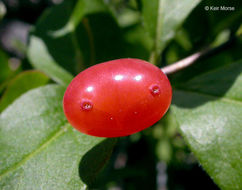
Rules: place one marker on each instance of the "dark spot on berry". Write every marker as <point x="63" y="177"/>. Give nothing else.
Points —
<point x="86" y="105"/>
<point x="155" y="89"/>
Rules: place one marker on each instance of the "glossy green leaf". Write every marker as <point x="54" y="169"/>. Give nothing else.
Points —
<point x="20" y="84"/>
<point x="162" y="18"/>
<point x="40" y="150"/>
<point x="208" y="109"/>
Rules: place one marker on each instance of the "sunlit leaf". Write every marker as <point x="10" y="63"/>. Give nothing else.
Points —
<point x="39" y="149"/>
<point x="208" y="109"/>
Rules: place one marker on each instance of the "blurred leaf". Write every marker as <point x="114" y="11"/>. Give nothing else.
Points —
<point x="5" y="70"/>
<point x="204" y="26"/>
<point x="221" y="20"/>
<point x="162" y="18"/>
<point x="100" y="39"/>
<point x="208" y="109"/>
<point x="38" y="148"/>
<point x="183" y="40"/>
<point x="239" y="31"/>
<point x="2" y="10"/>
<point x="20" y="84"/>
<point x="165" y="132"/>
<point x="62" y="42"/>
<point x="48" y="53"/>
<point x="128" y="18"/>
<point x="42" y="60"/>
<point x="14" y="36"/>
<point x="230" y="54"/>
<point x="8" y="69"/>
<point x="221" y="38"/>
<point x="138" y="42"/>
<point x="97" y="38"/>
<point x="81" y="9"/>
<point x="164" y="150"/>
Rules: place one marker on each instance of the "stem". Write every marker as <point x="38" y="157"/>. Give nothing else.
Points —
<point x="179" y="65"/>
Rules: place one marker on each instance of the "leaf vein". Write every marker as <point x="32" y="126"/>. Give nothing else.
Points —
<point x="53" y="137"/>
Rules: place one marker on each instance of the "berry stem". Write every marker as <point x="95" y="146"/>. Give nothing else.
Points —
<point x="182" y="64"/>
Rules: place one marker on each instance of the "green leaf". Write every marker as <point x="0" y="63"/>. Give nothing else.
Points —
<point x="215" y="22"/>
<point x="5" y="69"/>
<point x="41" y="59"/>
<point x="54" y="42"/>
<point x="39" y="149"/>
<point x="137" y="42"/>
<point x="226" y="57"/>
<point x="208" y="109"/>
<point x="100" y="39"/>
<point x="162" y="18"/>
<point x="20" y="84"/>
<point x="81" y="9"/>
<point x="220" y="20"/>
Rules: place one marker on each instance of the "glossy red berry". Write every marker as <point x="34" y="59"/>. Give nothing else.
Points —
<point x="117" y="98"/>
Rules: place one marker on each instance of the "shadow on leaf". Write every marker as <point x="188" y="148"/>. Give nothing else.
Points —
<point x="95" y="159"/>
<point x="210" y="86"/>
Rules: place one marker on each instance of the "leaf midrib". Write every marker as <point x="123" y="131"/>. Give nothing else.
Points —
<point x="44" y="145"/>
<point x="211" y="96"/>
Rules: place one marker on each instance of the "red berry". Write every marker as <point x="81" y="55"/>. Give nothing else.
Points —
<point x="117" y="98"/>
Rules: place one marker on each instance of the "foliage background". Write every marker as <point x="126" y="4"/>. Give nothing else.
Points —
<point x="44" y="43"/>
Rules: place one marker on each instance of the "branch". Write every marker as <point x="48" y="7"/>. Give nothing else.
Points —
<point x="179" y="65"/>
